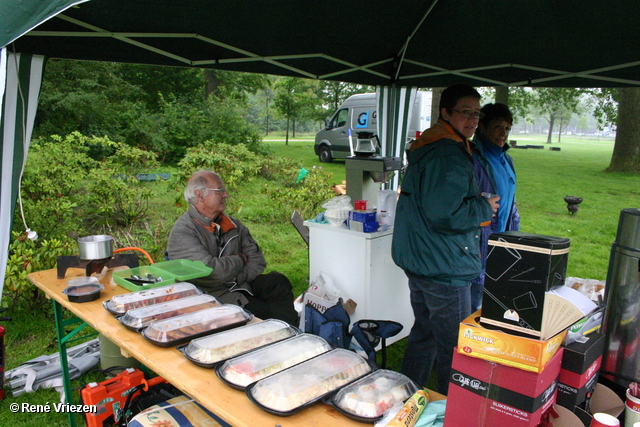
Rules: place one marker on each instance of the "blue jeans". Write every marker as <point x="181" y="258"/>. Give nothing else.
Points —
<point x="477" y="290"/>
<point x="438" y="311"/>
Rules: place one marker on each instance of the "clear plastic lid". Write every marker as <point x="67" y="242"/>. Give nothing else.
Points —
<point x="372" y="395"/>
<point x="119" y="304"/>
<point x="306" y="382"/>
<point x="257" y="364"/>
<point x="223" y="345"/>
<point x="137" y="318"/>
<point x="194" y="324"/>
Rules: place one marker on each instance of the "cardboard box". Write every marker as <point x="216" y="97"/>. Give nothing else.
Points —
<point x="497" y="346"/>
<point x="363" y="216"/>
<point x="579" y="374"/>
<point x="365" y="227"/>
<point x="603" y="400"/>
<point x="521" y="268"/>
<point x="571" y="397"/>
<point x="581" y="360"/>
<point x="483" y="393"/>
<point x="586" y="325"/>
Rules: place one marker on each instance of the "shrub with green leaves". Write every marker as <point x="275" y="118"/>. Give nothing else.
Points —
<point x="234" y="163"/>
<point x="306" y="196"/>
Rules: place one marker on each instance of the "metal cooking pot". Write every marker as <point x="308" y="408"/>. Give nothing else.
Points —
<point x="96" y="247"/>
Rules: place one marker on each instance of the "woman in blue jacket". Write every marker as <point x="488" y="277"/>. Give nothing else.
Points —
<point x="495" y="174"/>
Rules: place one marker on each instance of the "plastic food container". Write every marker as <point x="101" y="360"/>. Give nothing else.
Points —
<point x="120" y="304"/>
<point x="137" y="318"/>
<point x="83" y="289"/>
<point x="125" y="278"/>
<point x="180" y="329"/>
<point x="242" y="370"/>
<point x="178" y="270"/>
<point x="208" y="351"/>
<point x="184" y="269"/>
<point x="368" y="398"/>
<point x="293" y="389"/>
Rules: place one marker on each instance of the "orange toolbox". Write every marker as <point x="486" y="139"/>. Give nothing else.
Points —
<point x="110" y="395"/>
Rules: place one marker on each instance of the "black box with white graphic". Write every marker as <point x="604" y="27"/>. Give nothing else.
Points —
<point x="521" y="269"/>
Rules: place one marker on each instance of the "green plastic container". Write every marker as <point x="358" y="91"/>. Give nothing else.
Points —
<point x="184" y="269"/>
<point x="178" y="270"/>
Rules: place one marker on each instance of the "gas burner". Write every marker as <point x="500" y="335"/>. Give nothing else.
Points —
<point x="95" y="265"/>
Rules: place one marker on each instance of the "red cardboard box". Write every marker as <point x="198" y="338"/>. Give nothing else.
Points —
<point x="483" y="393"/>
<point x="579" y="373"/>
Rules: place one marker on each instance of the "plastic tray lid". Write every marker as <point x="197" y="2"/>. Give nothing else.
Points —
<point x="368" y="398"/>
<point x="137" y="318"/>
<point x="262" y="362"/>
<point x="184" y="269"/>
<point x="119" y="304"/>
<point x="193" y="324"/>
<point x="290" y="390"/>
<point x="223" y="345"/>
<point x="120" y="277"/>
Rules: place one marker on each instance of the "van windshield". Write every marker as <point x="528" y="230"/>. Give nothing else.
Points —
<point x="340" y="118"/>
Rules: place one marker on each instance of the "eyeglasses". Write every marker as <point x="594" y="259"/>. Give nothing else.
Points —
<point x="218" y="190"/>
<point x="470" y="113"/>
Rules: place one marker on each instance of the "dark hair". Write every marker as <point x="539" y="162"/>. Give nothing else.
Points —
<point x="451" y="95"/>
<point x="496" y="112"/>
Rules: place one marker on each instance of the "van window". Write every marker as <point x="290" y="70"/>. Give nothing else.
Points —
<point x="340" y="118"/>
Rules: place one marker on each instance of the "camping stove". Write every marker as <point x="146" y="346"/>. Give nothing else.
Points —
<point x="95" y="265"/>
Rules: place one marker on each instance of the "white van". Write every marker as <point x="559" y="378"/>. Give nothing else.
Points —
<point x="359" y="113"/>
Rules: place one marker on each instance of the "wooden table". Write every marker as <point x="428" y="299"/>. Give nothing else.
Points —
<point x="200" y="384"/>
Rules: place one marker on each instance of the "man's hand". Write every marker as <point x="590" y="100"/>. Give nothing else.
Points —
<point x="243" y="256"/>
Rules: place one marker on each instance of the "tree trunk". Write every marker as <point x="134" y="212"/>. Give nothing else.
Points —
<point x="502" y="95"/>
<point x="212" y="82"/>
<point x="552" y="119"/>
<point x="560" y="129"/>
<point x="286" y="138"/>
<point x="436" y="92"/>
<point x="626" y="150"/>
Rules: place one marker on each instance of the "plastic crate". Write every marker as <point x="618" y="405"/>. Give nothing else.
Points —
<point x="178" y="270"/>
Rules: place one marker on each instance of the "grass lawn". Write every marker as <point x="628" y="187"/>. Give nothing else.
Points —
<point x="545" y="177"/>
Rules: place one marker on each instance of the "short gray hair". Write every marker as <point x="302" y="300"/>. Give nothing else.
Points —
<point x="197" y="182"/>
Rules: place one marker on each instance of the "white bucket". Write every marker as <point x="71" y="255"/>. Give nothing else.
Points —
<point x="631" y="410"/>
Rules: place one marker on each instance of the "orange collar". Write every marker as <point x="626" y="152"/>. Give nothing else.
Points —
<point x="222" y="222"/>
<point x="441" y="130"/>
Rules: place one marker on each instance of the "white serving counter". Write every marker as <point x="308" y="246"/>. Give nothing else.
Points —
<point x="361" y="267"/>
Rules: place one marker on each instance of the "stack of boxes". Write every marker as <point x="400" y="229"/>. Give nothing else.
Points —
<point x="510" y="363"/>
<point x="363" y="219"/>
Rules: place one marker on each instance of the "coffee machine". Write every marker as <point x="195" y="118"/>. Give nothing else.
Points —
<point x="365" y="174"/>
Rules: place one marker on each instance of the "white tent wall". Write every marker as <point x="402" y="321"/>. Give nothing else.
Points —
<point x="395" y="107"/>
<point x="20" y="81"/>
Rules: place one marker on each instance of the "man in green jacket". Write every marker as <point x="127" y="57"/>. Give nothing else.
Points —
<point x="436" y="234"/>
<point x="207" y="234"/>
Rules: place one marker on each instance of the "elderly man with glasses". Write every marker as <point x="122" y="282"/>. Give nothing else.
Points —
<point x="436" y="234"/>
<point x="207" y="234"/>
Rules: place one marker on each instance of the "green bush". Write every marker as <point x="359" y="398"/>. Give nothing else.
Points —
<point x="234" y="163"/>
<point x="306" y="196"/>
<point x="27" y="256"/>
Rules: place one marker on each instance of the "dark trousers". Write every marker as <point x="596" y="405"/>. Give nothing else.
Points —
<point x="438" y="311"/>
<point x="272" y="298"/>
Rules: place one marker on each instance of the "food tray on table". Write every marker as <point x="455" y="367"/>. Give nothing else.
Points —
<point x="240" y="371"/>
<point x="120" y="304"/>
<point x="169" y="272"/>
<point x="301" y="385"/>
<point x="180" y="329"/>
<point x="138" y="318"/>
<point x="210" y="350"/>
<point x="367" y="399"/>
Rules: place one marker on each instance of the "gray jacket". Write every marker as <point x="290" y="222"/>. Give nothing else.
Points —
<point x="217" y="245"/>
